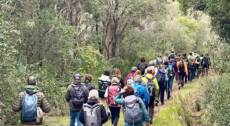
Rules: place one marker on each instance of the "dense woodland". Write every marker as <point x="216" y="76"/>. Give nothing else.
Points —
<point x="52" y="39"/>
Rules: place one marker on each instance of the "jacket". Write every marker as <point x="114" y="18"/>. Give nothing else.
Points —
<point x="42" y="102"/>
<point x="155" y="82"/>
<point x="104" y="115"/>
<point x="68" y="96"/>
<point x="141" y="91"/>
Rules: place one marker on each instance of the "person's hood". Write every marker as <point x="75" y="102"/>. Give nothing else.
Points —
<point x="149" y="76"/>
<point x="31" y="89"/>
<point x="104" y="78"/>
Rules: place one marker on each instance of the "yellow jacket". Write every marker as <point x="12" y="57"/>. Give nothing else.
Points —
<point x="145" y="81"/>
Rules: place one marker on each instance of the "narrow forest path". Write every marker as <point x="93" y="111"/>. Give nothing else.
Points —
<point x="188" y="88"/>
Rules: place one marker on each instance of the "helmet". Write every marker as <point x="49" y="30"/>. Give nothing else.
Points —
<point x="32" y="80"/>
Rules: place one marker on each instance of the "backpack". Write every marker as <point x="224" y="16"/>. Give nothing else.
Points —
<point x="133" y="111"/>
<point x="151" y="88"/>
<point x="161" y="76"/>
<point x="29" y="108"/>
<point x="92" y="115"/>
<point x="170" y="70"/>
<point x="77" y="95"/>
<point x="113" y="91"/>
<point x="89" y="86"/>
<point x="103" y="85"/>
<point x="142" y="67"/>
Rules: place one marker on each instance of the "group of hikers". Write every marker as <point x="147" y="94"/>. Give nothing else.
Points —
<point x="136" y="94"/>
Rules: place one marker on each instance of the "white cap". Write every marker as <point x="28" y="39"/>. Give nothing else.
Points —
<point x="93" y="94"/>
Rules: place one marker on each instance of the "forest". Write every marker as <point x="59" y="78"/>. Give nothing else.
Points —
<point x="52" y="39"/>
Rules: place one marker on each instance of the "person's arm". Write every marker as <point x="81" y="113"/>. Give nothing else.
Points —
<point x="45" y="106"/>
<point x="144" y="110"/>
<point x="104" y="115"/>
<point x="67" y="95"/>
<point x="156" y="87"/>
<point x="119" y="99"/>
<point x="17" y="104"/>
<point x="81" y="117"/>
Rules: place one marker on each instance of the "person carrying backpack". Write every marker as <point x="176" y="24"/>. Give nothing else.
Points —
<point x="131" y="74"/>
<point x="206" y="62"/>
<point x="182" y="74"/>
<point x="153" y="90"/>
<point x="153" y="67"/>
<point x="76" y="96"/>
<point x="171" y="74"/>
<point x="135" y="112"/>
<point x="103" y="82"/>
<point x="142" y="66"/>
<point x="88" y="82"/>
<point x="93" y="113"/>
<point x="162" y="79"/>
<point x="111" y="92"/>
<point x="141" y="90"/>
<point x="32" y="103"/>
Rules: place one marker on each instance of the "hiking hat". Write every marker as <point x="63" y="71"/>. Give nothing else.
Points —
<point x="93" y="94"/>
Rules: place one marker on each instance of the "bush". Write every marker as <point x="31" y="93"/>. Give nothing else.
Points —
<point x="217" y="100"/>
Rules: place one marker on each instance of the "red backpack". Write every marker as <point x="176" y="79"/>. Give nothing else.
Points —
<point x="113" y="91"/>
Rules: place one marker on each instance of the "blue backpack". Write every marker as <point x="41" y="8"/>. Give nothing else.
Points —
<point x="29" y="108"/>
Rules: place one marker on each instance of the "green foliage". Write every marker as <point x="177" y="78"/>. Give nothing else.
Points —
<point x="217" y="100"/>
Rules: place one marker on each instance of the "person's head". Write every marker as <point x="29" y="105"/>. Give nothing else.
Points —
<point x="117" y="73"/>
<point x="77" y="78"/>
<point x="32" y="80"/>
<point x="152" y="63"/>
<point x="93" y="95"/>
<point x="115" y="81"/>
<point x="161" y="66"/>
<point x="128" y="90"/>
<point x="149" y="76"/>
<point x="172" y="51"/>
<point x="142" y="59"/>
<point x="190" y="53"/>
<point x="106" y="73"/>
<point x="138" y="72"/>
<point x="138" y="78"/>
<point x="206" y="54"/>
<point x="134" y="69"/>
<point x="149" y="70"/>
<point x="88" y="78"/>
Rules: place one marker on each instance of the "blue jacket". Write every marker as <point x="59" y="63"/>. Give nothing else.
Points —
<point x="141" y="91"/>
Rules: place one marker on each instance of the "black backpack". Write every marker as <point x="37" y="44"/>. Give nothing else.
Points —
<point x="77" y="95"/>
<point x="161" y="76"/>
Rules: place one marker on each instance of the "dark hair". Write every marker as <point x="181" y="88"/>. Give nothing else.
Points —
<point x="88" y="77"/>
<point x="107" y="73"/>
<point x="142" y="59"/>
<point x="128" y="91"/>
<point x="31" y="80"/>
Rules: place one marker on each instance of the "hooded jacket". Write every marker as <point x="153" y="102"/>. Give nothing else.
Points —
<point x="42" y="102"/>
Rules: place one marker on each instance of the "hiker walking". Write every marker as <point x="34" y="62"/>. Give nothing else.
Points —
<point x="206" y="62"/>
<point x="117" y="74"/>
<point x="111" y="92"/>
<point x="32" y="103"/>
<point x="142" y="65"/>
<point x="130" y="75"/>
<point x="103" y="83"/>
<point x="76" y="96"/>
<point x="135" y="112"/>
<point x="93" y="112"/>
<point x="153" y="90"/>
<point x="141" y="89"/>
<point x="162" y="79"/>
<point x="171" y="74"/>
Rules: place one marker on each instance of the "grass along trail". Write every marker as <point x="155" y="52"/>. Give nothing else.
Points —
<point x="164" y="115"/>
